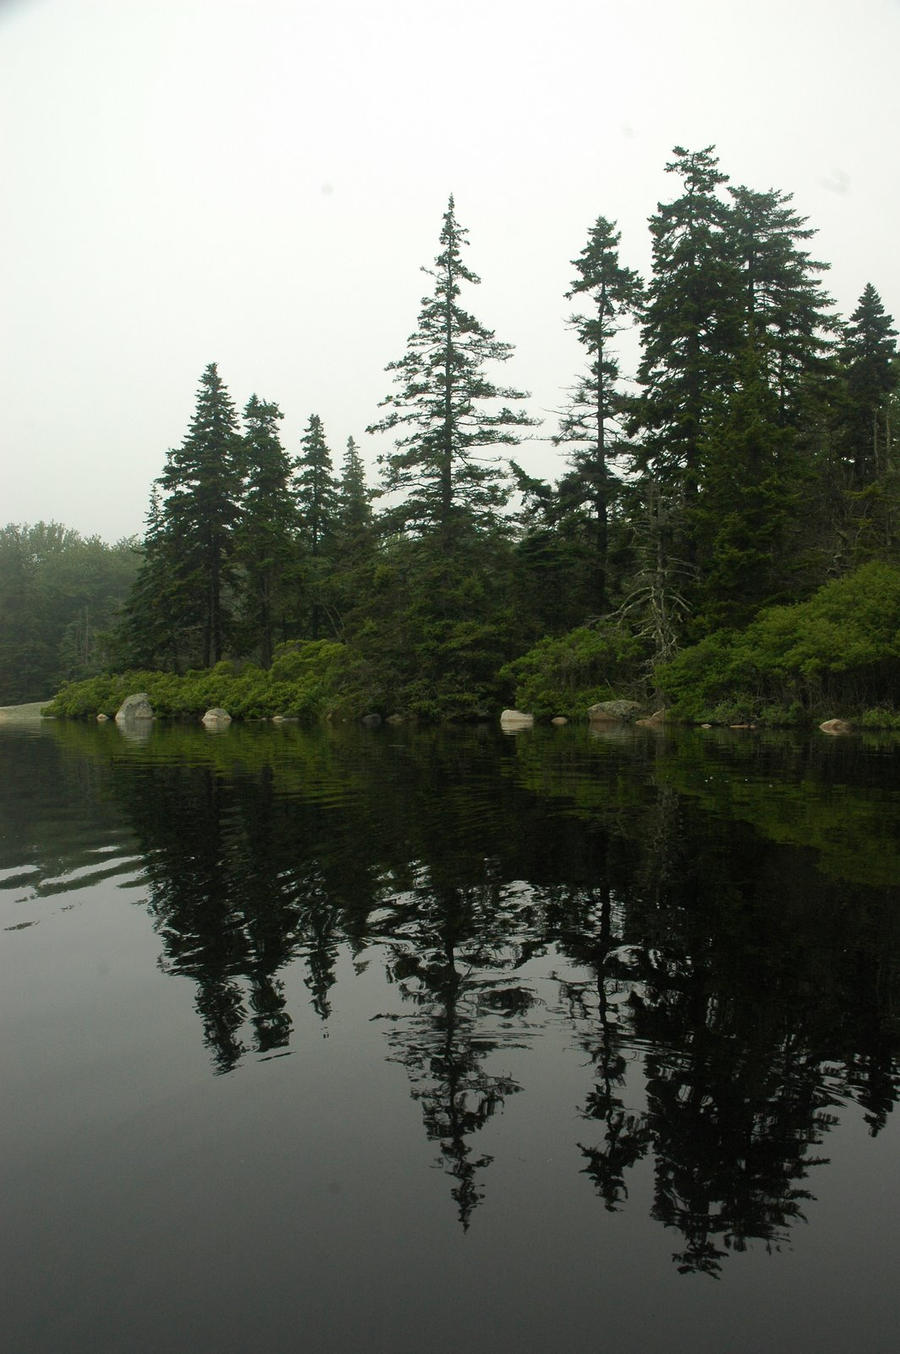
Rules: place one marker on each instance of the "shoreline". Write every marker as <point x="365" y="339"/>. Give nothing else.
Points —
<point x="23" y="714"/>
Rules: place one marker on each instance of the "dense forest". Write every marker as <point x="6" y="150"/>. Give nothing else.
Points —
<point x="724" y="536"/>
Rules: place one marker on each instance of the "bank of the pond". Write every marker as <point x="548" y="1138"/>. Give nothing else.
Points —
<point x="23" y="714"/>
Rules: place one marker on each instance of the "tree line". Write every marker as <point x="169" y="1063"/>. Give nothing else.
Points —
<point x="746" y="462"/>
<point x="61" y="596"/>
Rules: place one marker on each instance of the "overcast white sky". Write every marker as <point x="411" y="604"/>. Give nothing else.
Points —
<point x="257" y="183"/>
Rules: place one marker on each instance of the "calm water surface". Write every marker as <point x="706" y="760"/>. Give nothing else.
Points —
<point x="427" y="1041"/>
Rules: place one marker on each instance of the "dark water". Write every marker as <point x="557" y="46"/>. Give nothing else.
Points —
<point x="428" y="1041"/>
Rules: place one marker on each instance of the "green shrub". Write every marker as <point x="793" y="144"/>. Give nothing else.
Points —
<point x="565" y="674"/>
<point x="839" y="649"/>
<point x="304" y="681"/>
<point x="880" y="717"/>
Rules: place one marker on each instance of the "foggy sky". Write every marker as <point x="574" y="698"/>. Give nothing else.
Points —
<point x="258" y="183"/>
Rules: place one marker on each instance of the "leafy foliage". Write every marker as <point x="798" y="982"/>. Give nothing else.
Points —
<point x="837" y="652"/>
<point x="60" y="595"/>
<point x="567" y="674"/>
<point x="304" y="681"/>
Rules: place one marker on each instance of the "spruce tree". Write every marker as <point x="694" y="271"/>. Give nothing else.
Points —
<point x="316" y="488"/>
<point x="869" y="361"/>
<point x="755" y="455"/>
<point x="354" y="501"/>
<point x="354" y="544"/>
<point x="690" y="324"/>
<point x="592" y="420"/>
<point x="153" y="629"/>
<point x="316" y="492"/>
<point x="201" y="488"/>
<point x="784" y="312"/>
<point x="447" y="410"/>
<point x="267" y="538"/>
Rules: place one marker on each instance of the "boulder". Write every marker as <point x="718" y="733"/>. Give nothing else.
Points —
<point x="516" y="719"/>
<point x="102" y="718"/>
<point x="559" y="719"/>
<point x="134" y="707"/>
<point x="216" y="718"/>
<point x="654" y="721"/>
<point x="607" y="712"/>
<point x="835" y="726"/>
<point x="395" y="719"/>
<point x="371" y="721"/>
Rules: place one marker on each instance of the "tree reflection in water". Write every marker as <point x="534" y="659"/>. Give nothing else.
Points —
<point x="739" y="989"/>
<point x="451" y="952"/>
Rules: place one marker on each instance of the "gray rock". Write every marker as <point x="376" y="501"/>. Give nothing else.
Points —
<point x="835" y="726"/>
<point x="216" y="718"/>
<point x="559" y="719"/>
<point x="608" y="711"/>
<point x="516" y="719"/>
<point x="134" y="707"/>
<point x="371" y="721"/>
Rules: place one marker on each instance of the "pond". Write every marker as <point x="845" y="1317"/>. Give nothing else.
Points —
<point x="403" y="1040"/>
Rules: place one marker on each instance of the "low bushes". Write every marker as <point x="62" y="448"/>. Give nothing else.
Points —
<point x="307" y="680"/>
<point x="566" y="674"/>
<point x="837" y="653"/>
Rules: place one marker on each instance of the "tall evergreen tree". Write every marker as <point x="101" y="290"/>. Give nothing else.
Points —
<point x="267" y="537"/>
<point x="354" y="543"/>
<point x="446" y="407"/>
<point x="783" y="308"/>
<point x="316" y="488"/>
<point x="757" y="455"/>
<point x="871" y="374"/>
<point x="354" y="502"/>
<point x="690" y="323"/>
<point x="152" y="632"/>
<point x="316" y="492"/>
<point x="591" y="421"/>
<point x="201" y="487"/>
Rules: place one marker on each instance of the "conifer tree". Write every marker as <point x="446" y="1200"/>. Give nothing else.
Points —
<point x="316" y="488"/>
<point x="201" y="488"/>
<point x="152" y="630"/>
<point x="354" y="503"/>
<point x="267" y="538"/>
<point x="755" y="457"/>
<point x="784" y="312"/>
<point x="592" y="419"/>
<point x="316" y="493"/>
<point x="447" y="410"/>
<point x="690" y="323"/>
<point x="869" y="360"/>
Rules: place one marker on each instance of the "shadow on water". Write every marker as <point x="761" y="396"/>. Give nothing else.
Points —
<point x="719" y="912"/>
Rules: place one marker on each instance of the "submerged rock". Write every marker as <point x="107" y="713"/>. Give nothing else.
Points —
<point x="654" y="721"/>
<point x="608" y="711"/>
<point x="836" y="726"/>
